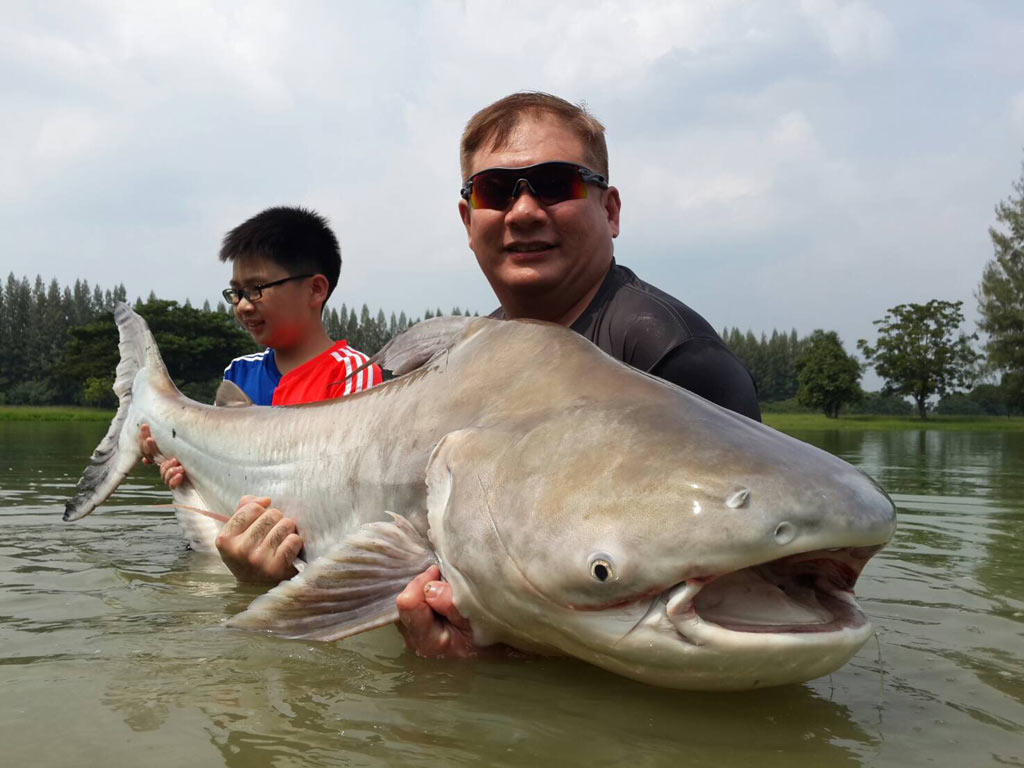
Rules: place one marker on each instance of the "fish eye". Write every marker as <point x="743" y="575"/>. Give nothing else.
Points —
<point x="601" y="568"/>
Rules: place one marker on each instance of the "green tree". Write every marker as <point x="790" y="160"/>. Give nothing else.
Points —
<point x="18" y="356"/>
<point x="1001" y="296"/>
<point x="828" y="377"/>
<point x="5" y="336"/>
<point x="771" y="361"/>
<point x="195" y="345"/>
<point x="917" y="353"/>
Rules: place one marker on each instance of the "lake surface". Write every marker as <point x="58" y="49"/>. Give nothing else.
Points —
<point x="111" y="648"/>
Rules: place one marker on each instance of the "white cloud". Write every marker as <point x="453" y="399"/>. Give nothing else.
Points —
<point x="1017" y="109"/>
<point x="794" y="134"/>
<point x="67" y="135"/>
<point x="854" y="32"/>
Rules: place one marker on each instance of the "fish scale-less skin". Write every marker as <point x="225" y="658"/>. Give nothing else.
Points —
<point x="525" y="455"/>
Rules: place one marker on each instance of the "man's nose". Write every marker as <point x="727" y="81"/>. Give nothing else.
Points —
<point x="526" y="209"/>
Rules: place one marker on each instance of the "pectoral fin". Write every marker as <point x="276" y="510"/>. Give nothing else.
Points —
<point x="349" y="590"/>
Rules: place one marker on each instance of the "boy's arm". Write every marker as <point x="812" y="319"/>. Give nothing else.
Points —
<point x="259" y="544"/>
<point x="171" y="471"/>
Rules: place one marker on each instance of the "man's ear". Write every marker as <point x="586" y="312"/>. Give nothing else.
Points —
<point x="464" y="212"/>
<point x="612" y="206"/>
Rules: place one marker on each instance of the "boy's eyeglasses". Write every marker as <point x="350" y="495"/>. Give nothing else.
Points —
<point x="255" y="293"/>
<point x="549" y="183"/>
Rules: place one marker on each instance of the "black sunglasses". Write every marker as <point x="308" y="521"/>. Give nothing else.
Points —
<point x="255" y="293"/>
<point x="549" y="183"/>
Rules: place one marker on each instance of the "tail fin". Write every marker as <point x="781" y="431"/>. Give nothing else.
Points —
<point x="119" y="450"/>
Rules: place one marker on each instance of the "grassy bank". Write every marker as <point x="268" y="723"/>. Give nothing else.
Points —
<point x="787" y="422"/>
<point x="53" y="413"/>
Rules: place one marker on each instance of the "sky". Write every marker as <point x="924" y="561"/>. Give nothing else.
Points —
<point x="781" y="164"/>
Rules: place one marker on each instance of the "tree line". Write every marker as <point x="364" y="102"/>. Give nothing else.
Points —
<point x="919" y="354"/>
<point x="58" y="346"/>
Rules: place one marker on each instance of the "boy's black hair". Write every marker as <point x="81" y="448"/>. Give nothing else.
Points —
<point x="296" y="239"/>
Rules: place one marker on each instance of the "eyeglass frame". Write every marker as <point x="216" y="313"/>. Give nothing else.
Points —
<point x="235" y="295"/>
<point x="588" y="176"/>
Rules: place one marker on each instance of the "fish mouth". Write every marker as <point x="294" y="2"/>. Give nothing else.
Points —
<point x="805" y="594"/>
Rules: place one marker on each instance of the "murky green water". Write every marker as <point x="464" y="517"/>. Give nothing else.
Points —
<point x="112" y="652"/>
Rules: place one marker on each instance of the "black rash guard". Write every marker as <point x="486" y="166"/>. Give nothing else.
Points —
<point x="635" y="322"/>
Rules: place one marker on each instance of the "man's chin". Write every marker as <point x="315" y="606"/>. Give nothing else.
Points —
<point x="533" y="277"/>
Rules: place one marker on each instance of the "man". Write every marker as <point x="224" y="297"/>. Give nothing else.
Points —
<point x="285" y="265"/>
<point x="541" y="219"/>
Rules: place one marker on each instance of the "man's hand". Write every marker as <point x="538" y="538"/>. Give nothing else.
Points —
<point x="171" y="471"/>
<point x="429" y="621"/>
<point x="258" y="544"/>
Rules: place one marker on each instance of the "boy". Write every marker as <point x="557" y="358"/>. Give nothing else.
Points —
<point x="285" y="265"/>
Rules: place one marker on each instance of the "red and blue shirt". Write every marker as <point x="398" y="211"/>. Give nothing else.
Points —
<point x="322" y="378"/>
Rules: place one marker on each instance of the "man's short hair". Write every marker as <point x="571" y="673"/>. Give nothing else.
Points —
<point x="296" y="239"/>
<point x="494" y="124"/>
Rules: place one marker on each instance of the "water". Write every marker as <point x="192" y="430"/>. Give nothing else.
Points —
<point x="111" y="648"/>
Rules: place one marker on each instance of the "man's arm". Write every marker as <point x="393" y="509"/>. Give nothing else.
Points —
<point x="707" y="368"/>
<point x="428" y="620"/>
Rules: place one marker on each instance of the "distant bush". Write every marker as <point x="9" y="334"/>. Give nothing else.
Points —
<point x="787" y="406"/>
<point x="983" y="400"/>
<point x="877" y="404"/>
<point x="958" y="404"/>
<point x="29" y="393"/>
<point x="98" y="392"/>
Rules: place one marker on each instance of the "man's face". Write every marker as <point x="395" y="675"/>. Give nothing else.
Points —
<point x="532" y="250"/>
<point x="281" y="315"/>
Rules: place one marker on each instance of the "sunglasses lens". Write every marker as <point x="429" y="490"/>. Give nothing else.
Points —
<point x="493" y="189"/>
<point x="550" y="182"/>
<point x="555" y="183"/>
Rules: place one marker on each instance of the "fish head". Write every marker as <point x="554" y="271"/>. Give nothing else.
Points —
<point x="684" y="546"/>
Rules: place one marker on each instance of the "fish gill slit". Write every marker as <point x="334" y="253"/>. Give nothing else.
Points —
<point x="501" y="541"/>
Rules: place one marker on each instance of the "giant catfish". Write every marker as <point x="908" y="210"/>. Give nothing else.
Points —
<point x="576" y="505"/>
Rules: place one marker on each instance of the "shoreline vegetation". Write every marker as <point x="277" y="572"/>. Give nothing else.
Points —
<point x="59" y="347"/>
<point x="784" y="422"/>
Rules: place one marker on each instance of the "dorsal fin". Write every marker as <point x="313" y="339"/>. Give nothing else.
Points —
<point x="420" y="344"/>
<point x="230" y="395"/>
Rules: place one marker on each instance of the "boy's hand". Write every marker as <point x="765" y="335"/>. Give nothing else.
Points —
<point x="258" y="544"/>
<point x="171" y="471"/>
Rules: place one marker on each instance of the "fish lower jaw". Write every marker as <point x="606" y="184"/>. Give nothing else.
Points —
<point x="804" y="599"/>
<point x="847" y="628"/>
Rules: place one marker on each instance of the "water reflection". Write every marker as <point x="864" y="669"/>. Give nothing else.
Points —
<point x="372" y="704"/>
<point x="954" y="572"/>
